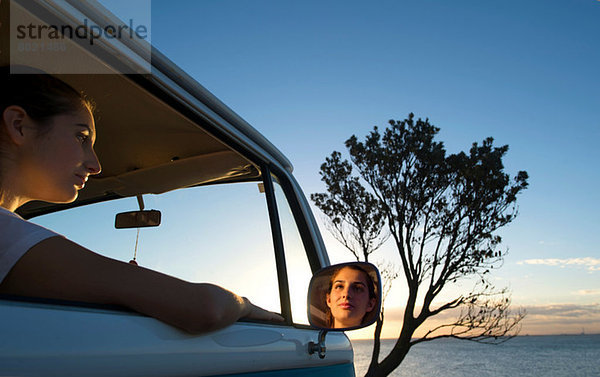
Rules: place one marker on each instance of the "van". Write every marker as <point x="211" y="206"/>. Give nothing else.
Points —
<point x="197" y="193"/>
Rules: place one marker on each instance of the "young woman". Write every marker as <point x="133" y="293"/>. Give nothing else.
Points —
<point x="47" y="136"/>
<point x="351" y="296"/>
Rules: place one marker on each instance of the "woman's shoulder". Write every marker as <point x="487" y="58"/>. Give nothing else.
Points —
<point x="16" y="231"/>
<point x="17" y="236"/>
<point x="7" y="216"/>
<point x="10" y="221"/>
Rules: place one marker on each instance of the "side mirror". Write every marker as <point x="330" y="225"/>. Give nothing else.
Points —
<point x="344" y="296"/>
<point x="137" y="219"/>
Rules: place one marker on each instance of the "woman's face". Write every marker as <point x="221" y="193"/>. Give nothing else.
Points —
<point x="56" y="163"/>
<point x="349" y="299"/>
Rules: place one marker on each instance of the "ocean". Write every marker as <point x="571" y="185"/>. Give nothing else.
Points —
<point x="548" y="356"/>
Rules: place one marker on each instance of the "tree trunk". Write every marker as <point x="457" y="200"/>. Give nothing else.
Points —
<point x="390" y="363"/>
<point x="394" y="359"/>
<point x="376" y="342"/>
<point x="402" y="346"/>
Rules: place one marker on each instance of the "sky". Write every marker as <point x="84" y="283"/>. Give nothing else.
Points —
<point x="310" y="74"/>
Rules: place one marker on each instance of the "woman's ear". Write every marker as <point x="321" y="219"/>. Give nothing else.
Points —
<point x="13" y="120"/>
<point x="328" y="300"/>
<point x="371" y="305"/>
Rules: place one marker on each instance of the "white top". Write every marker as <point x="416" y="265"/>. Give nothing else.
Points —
<point x="17" y="236"/>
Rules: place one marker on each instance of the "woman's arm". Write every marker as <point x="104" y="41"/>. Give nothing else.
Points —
<point x="61" y="269"/>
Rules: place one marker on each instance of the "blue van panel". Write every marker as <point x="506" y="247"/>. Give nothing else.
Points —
<point x="341" y="370"/>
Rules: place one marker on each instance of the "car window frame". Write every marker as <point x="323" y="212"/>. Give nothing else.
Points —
<point x="267" y="166"/>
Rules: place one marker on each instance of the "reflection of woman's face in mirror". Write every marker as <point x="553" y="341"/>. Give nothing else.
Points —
<point x="351" y="297"/>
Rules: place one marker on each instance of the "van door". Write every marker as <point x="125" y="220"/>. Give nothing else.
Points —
<point x="243" y="236"/>
<point x="58" y="339"/>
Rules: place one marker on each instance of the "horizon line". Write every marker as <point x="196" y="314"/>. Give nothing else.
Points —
<point x="516" y="336"/>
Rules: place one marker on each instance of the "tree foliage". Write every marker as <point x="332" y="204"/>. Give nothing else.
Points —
<point x="355" y="219"/>
<point x="442" y="213"/>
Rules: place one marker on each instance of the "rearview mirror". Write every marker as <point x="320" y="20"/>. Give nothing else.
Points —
<point x="137" y="219"/>
<point x="344" y="296"/>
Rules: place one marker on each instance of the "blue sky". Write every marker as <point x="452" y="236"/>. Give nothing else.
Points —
<point x="310" y="74"/>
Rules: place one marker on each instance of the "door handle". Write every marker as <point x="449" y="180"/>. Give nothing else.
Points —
<point x="320" y="347"/>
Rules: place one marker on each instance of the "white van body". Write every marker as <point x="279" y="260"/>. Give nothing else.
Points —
<point x="55" y="340"/>
<point x="161" y="134"/>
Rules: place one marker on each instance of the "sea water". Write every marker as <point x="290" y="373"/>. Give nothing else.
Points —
<point x="548" y="356"/>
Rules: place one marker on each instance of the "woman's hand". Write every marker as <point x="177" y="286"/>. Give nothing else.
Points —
<point x="252" y="311"/>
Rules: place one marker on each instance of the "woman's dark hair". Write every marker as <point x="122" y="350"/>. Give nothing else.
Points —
<point x="370" y="288"/>
<point x="41" y="95"/>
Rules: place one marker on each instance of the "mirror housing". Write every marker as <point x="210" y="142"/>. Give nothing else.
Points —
<point x="137" y="219"/>
<point x="344" y="297"/>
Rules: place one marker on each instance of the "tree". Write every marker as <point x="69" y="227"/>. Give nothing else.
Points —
<point x="442" y="213"/>
<point x="355" y="221"/>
